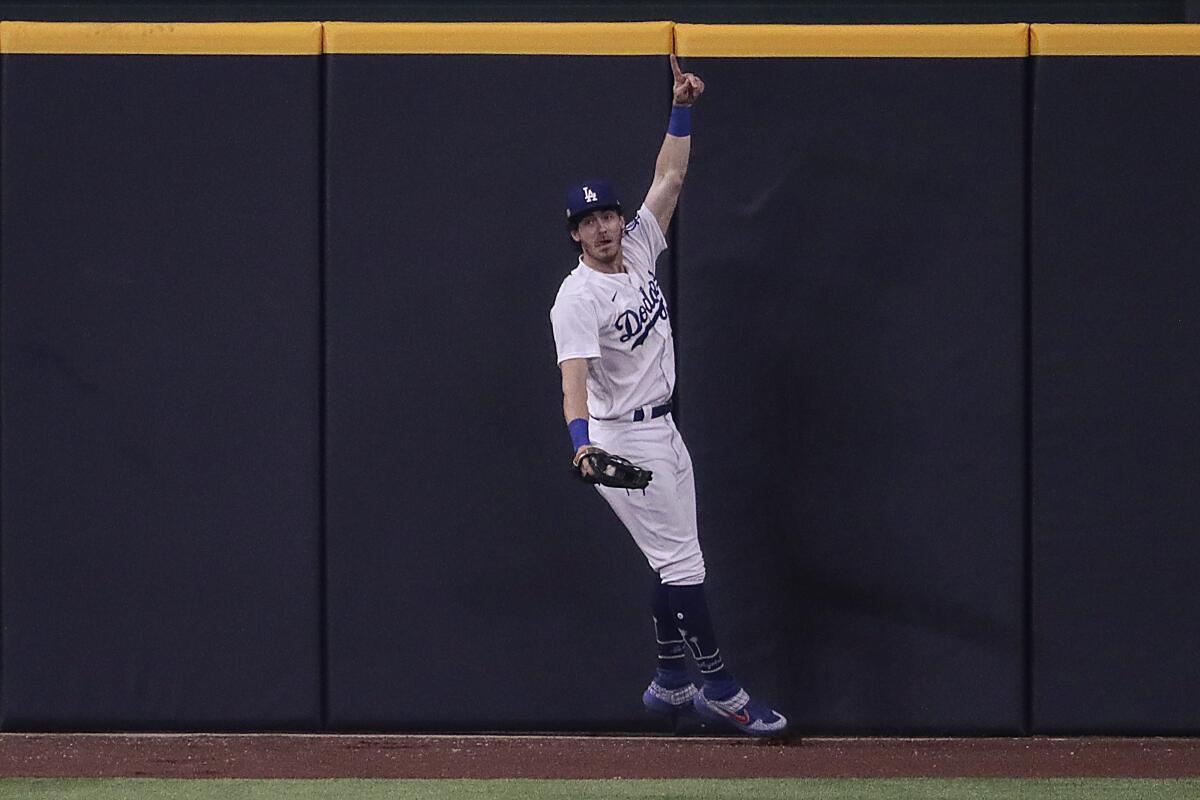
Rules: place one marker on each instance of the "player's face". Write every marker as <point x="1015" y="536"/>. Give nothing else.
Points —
<point x="599" y="234"/>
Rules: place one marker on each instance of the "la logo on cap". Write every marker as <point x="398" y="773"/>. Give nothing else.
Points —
<point x="588" y="195"/>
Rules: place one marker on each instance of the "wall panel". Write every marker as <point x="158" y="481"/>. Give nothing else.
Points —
<point x="1116" y="349"/>
<point x="472" y="582"/>
<point x="851" y="360"/>
<point x="160" y="371"/>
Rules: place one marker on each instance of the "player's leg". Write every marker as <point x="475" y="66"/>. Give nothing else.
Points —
<point x="659" y="526"/>
<point x="671" y="691"/>
<point x="684" y="582"/>
<point x="653" y="519"/>
<point x="662" y="521"/>
<point x="722" y="696"/>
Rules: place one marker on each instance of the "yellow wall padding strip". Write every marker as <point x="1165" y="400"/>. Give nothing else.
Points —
<point x="501" y="38"/>
<point x="165" y="38"/>
<point x="1114" y="40"/>
<point x="1009" y="40"/>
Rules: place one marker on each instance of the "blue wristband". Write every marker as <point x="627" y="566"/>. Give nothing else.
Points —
<point x="681" y="121"/>
<point x="579" y="433"/>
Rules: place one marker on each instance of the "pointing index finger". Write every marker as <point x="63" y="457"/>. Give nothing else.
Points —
<point x="675" y="68"/>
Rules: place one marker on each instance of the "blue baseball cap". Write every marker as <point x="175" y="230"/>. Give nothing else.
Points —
<point x="590" y="196"/>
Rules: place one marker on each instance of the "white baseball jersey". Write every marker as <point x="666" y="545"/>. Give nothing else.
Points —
<point x="619" y="323"/>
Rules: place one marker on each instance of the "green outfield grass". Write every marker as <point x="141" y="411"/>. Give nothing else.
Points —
<point x="764" y="789"/>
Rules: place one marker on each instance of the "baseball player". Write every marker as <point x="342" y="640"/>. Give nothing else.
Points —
<point x="617" y="358"/>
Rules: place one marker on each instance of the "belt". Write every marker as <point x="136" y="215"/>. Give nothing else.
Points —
<point x="655" y="413"/>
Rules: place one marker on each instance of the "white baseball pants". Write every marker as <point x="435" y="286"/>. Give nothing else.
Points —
<point x="662" y="520"/>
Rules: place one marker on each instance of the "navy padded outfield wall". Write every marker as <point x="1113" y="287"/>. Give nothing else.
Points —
<point x="160" y="373"/>
<point x="851" y="360"/>
<point x="851" y="286"/>
<point x="472" y="582"/>
<point x="1116" y="371"/>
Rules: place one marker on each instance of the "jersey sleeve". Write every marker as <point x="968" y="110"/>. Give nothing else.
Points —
<point x="642" y="233"/>
<point x="576" y="328"/>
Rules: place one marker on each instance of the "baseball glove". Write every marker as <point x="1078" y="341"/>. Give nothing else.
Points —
<point x="610" y="470"/>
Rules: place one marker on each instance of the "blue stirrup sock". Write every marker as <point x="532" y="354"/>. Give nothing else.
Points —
<point x="672" y="654"/>
<point x="689" y="610"/>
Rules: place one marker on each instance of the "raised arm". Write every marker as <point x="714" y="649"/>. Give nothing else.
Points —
<point x="672" y="161"/>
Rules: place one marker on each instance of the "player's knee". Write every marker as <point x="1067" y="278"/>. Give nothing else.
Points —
<point x="686" y="572"/>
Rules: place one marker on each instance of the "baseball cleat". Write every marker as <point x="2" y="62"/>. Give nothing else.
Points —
<point x="749" y="717"/>
<point x="661" y="700"/>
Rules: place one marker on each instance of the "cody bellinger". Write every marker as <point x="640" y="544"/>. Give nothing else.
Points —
<point x="617" y="357"/>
